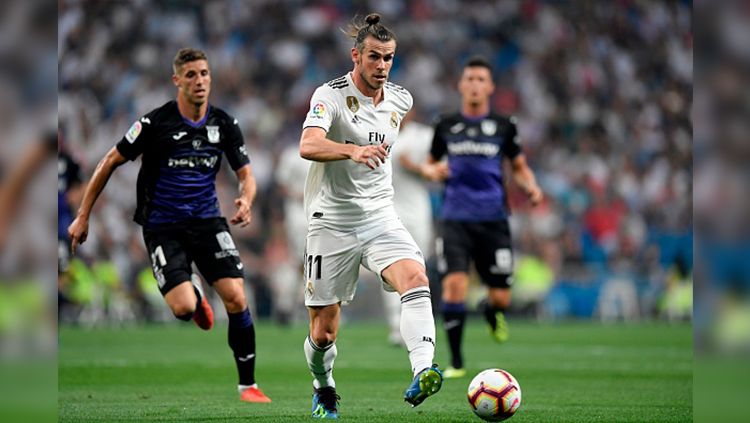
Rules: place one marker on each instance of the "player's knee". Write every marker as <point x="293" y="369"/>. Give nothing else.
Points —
<point x="183" y="311"/>
<point x="500" y="298"/>
<point x="454" y="290"/>
<point x="455" y="279"/>
<point x="453" y="296"/>
<point x="235" y="302"/>
<point x="323" y="339"/>
<point x="501" y="303"/>
<point x="416" y="279"/>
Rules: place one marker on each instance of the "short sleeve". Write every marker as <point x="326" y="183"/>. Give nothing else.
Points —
<point x="438" y="148"/>
<point x="322" y="109"/>
<point x="511" y="144"/>
<point x="234" y="145"/>
<point x="133" y="143"/>
<point x="409" y="103"/>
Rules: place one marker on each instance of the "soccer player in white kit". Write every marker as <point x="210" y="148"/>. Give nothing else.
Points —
<point x="352" y="123"/>
<point x="290" y="172"/>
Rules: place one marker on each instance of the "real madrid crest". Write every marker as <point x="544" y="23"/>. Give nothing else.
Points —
<point x="309" y="288"/>
<point x="352" y="103"/>
<point x="489" y="127"/>
<point x="213" y="133"/>
<point x="394" y="120"/>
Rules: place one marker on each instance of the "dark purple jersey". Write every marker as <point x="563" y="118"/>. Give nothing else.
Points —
<point x="475" y="148"/>
<point x="177" y="180"/>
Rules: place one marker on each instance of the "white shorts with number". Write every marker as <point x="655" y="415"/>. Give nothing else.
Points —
<point x="333" y="258"/>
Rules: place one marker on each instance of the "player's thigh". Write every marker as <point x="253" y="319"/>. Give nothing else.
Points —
<point x="181" y="298"/>
<point x="455" y="287"/>
<point x="395" y="247"/>
<point x="331" y="266"/>
<point x="493" y="253"/>
<point x="214" y="250"/>
<point x="394" y="243"/>
<point x="455" y="247"/>
<point x="169" y="259"/>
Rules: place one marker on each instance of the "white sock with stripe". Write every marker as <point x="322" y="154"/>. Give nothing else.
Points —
<point x="320" y="362"/>
<point x="418" y="327"/>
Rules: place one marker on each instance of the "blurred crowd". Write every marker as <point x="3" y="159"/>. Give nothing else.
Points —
<point x="602" y="91"/>
<point x="721" y="204"/>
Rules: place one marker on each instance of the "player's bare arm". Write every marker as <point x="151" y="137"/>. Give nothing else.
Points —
<point x="78" y="230"/>
<point x="244" y="202"/>
<point x="433" y="170"/>
<point x="524" y="178"/>
<point x="315" y="146"/>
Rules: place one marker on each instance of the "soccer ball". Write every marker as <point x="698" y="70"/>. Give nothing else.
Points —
<point x="494" y="395"/>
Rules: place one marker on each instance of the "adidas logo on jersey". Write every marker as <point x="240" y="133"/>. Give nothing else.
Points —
<point x="457" y="128"/>
<point x="338" y="83"/>
<point x="356" y="120"/>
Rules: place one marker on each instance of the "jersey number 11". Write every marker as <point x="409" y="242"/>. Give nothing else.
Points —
<point x="318" y="262"/>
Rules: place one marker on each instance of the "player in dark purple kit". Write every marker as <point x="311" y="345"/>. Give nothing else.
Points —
<point x="181" y="144"/>
<point x="69" y="191"/>
<point x="475" y="212"/>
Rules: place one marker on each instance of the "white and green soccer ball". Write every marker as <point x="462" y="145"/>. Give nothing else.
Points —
<point x="494" y="395"/>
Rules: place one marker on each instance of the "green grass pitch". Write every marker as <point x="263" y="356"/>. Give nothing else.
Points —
<point x="568" y="372"/>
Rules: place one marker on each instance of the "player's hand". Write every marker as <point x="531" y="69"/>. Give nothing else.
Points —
<point x="243" y="216"/>
<point x="435" y="171"/>
<point x="371" y="155"/>
<point x="78" y="231"/>
<point x="535" y="195"/>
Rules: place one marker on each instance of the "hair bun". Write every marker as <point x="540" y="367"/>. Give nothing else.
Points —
<point x="372" y="19"/>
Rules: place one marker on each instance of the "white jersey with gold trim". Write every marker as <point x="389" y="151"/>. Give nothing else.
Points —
<point x="344" y="194"/>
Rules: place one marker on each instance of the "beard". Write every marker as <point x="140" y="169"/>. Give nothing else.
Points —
<point x="367" y="81"/>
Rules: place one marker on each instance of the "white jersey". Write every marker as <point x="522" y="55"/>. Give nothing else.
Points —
<point x="343" y="194"/>
<point x="290" y="172"/>
<point x="411" y="197"/>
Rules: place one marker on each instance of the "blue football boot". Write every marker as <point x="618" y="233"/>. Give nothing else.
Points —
<point x="324" y="403"/>
<point x="425" y="383"/>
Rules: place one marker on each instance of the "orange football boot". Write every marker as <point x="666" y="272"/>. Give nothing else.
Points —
<point x="253" y="394"/>
<point x="204" y="315"/>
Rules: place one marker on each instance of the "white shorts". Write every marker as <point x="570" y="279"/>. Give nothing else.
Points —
<point x="333" y="258"/>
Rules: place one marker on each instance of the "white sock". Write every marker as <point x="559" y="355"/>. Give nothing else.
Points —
<point x="320" y="363"/>
<point x="418" y="327"/>
<point x="242" y="388"/>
